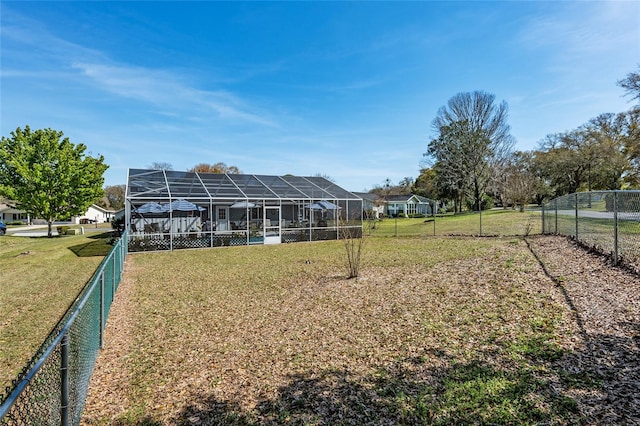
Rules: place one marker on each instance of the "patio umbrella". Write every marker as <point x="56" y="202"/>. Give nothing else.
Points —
<point x="243" y="205"/>
<point x="182" y="205"/>
<point x="150" y="208"/>
<point x="324" y="205"/>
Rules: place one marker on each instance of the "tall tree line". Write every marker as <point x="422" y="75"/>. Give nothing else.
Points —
<point x="471" y="154"/>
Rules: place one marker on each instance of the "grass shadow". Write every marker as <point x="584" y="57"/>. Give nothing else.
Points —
<point x="98" y="247"/>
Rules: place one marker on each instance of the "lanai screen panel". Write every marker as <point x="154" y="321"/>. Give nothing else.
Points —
<point x="185" y="185"/>
<point x="220" y="186"/>
<point x="332" y="188"/>
<point x="252" y="187"/>
<point x="310" y="189"/>
<point x="282" y="188"/>
<point x="147" y="184"/>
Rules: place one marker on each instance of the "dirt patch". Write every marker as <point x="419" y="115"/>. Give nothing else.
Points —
<point x="108" y="393"/>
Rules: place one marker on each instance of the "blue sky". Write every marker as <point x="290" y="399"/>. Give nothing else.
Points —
<point x="348" y="90"/>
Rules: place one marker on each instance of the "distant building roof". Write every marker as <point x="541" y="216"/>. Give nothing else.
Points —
<point x="367" y="196"/>
<point x="407" y="197"/>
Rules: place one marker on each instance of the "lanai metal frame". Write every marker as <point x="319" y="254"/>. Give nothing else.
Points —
<point x="235" y="209"/>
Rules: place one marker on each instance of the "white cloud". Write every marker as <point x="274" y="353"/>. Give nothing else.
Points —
<point x="583" y="29"/>
<point x="166" y="90"/>
<point x="168" y="93"/>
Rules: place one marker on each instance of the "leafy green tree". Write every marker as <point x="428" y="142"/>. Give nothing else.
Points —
<point x="602" y="154"/>
<point x="425" y="184"/>
<point x="632" y="147"/>
<point x="113" y="197"/>
<point x="405" y="185"/>
<point x="610" y="136"/>
<point x="47" y="176"/>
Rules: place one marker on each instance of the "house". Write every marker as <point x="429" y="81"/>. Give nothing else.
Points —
<point x="94" y="214"/>
<point x="409" y="205"/>
<point x="371" y="203"/>
<point x="9" y="213"/>
<point x="167" y="210"/>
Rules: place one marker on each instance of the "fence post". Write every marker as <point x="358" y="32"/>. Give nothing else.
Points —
<point x="615" y="227"/>
<point x="102" y="308"/>
<point x="64" y="380"/>
<point x="543" y="230"/>
<point x="556" y="208"/>
<point x="434" y="211"/>
<point x="576" y="216"/>
<point x="113" y="278"/>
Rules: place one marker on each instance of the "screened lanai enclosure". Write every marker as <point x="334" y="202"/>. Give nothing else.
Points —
<point x="168" y="210"/>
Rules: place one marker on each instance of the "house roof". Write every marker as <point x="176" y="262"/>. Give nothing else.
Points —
<point x="102" y="209"/>
<point x="368" y="196"/>
<point x="406" y="198"/>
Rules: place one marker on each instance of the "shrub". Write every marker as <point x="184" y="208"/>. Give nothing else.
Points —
<point x="118" y="225"/>
<point x="485" y="204"/>
<point x="62" y="230"/>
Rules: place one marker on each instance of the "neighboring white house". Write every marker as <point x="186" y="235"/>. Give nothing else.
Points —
<point x="408" y="205"/>
<point x="11" y="214"/>
<point x="395" y="205"/>
<point x="94" y="214"/>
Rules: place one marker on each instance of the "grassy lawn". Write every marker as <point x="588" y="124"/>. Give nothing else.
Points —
<point x="435" y="330"/>
<point x="40" y="279"/>
<point x="498" y="222"/>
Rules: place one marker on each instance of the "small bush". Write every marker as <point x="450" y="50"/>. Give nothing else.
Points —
<point x="62" y="230"/>
<point x="485" y="204"/>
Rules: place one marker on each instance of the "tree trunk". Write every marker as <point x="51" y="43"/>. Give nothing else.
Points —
<point x="49" y="230"/>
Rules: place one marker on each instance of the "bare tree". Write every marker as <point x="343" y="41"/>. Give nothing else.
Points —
<point x="353" y="240"/>
<point x="160" y="165"/>
<point x="631" y="84"/>
<point x="519" y="183"/>
<point x="325" y="176"/>
<point x="473" y="136"/>
<point x="219" y="167"/>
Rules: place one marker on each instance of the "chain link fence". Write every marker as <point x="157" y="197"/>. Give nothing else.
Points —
<point x="52" y="387"/>
<point x="489" y="223"/>
<point x="606" y="221"/>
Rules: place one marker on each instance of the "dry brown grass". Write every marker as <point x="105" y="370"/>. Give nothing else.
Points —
<point x="434" y="331"/>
